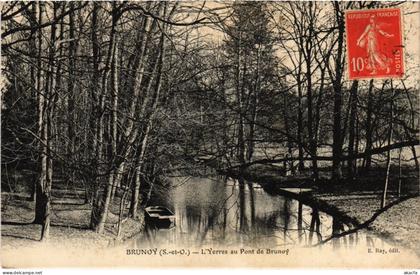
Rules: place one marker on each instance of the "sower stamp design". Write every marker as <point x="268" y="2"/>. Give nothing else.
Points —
<point x="374" y="44"/>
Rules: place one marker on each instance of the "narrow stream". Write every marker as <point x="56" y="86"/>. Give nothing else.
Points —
<point x="215" y="212"/>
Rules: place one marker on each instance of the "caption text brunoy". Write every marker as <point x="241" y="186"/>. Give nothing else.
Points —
<point x="206" y="251"/>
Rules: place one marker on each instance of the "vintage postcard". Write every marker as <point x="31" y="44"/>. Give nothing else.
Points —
<point x="243" y="134"/>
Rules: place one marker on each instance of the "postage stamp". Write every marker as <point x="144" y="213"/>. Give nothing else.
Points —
<point x="374" y="44"/>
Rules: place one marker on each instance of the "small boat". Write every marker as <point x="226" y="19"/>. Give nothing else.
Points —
<point x="159" y="216"/>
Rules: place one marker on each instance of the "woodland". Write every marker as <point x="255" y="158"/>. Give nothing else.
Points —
<point x="116" y="97"/>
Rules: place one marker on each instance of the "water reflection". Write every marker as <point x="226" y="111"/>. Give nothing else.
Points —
<point x="231" y="213"/>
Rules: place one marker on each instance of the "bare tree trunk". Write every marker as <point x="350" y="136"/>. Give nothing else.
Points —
<point x="70" y="92"/>
<point x="310" y="126"/>
<point x="35" y="75"/>
<point x="356" y="146"/>
<point x="135" y="193"/>
<point x="254" y="112"/>
<point x="290" y="167"/>
<point x="121" y="211"/>
<point x="101" y="203"/>
<point x="301" y="165"/>
<point x="399" y="172"/>
<point x="240" y="98"/>
<point x="240" y="142"/>
<point x="43" y="194"/>
<point x="95" y="111"/>
<point x="114" y="113"/>
<point x="242" y="214"/>
<point x="94" y="186"/>
<point x="353" y="110"/>
<point x="337" y="86"/>
<point x="369" y="129"/>
<point x="388" y="158"/>
<point x="103" y="211"/>
<point x="39" y="199"/>
<point x="251" y="202"/>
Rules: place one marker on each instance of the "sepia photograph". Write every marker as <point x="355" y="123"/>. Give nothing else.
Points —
<point x="210" y="134"/>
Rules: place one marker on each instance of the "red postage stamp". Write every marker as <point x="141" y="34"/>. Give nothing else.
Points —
<point x="374" y="44"/>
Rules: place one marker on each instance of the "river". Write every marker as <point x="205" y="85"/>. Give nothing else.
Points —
<point x="216" y="212"/>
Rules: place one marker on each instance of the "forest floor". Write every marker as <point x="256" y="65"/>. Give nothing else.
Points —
<point x="69" y="223"/>
<point x="357" y="201"/>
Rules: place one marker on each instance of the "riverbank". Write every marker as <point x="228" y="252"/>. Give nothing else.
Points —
<point x="399" y="222"/>
<point x="69" y="224"/>
<point x="355" y="202"/>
